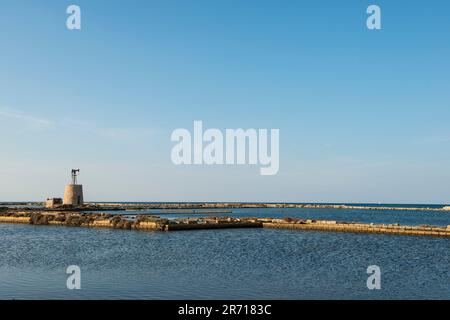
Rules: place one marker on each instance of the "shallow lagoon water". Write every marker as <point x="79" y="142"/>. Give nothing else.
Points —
<point x="404" y="217"/>
<point x="225" y="264"/>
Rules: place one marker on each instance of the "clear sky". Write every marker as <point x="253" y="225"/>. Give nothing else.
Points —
<point x="364" y="116"/>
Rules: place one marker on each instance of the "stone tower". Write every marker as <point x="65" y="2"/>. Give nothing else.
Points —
<point x="73" y="194"/>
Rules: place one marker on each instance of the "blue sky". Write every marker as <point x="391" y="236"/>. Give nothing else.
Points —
<point x="363" y="115"/>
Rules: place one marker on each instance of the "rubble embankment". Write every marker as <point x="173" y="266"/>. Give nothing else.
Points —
<point x="156" y="223"/>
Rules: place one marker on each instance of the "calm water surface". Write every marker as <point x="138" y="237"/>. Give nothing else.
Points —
<point x="228" y="264"/>
<point x="404" y="217"/>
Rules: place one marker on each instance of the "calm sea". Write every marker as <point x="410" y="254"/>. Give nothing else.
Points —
<point x="228" y="264"/>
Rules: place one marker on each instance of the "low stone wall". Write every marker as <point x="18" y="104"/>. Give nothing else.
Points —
<point x="149" y="225"/>
<point x="361" y="228"/>
<point x="12" y="219"/>
<point x="199" y="226"/>
<point x="110" y="224"/>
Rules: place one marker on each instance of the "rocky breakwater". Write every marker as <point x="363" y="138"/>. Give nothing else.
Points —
<point x="152" y="222"/>
<point x="13" y="217"/>
<point x="139" y="222"/>
<point x="75" y="219"/>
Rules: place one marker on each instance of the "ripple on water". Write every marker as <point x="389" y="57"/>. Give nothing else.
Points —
<point x="224" y="264"/>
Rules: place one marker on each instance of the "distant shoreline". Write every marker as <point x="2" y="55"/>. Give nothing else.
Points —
<point x="123" y="206"/>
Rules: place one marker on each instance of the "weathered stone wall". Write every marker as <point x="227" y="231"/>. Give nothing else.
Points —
<point x="12" y="219"/>
<point x="360" y="227"/>
<point x="53" y="202"/>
